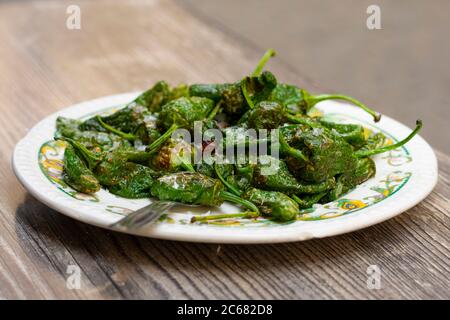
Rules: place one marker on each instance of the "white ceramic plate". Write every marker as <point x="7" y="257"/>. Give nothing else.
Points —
<point x="404" y="178"/>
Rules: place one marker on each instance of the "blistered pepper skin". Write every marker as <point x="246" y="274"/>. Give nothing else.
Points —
<point x="259" y="89"/>
<point x="291" y="97"/>
<point x="120" y="173"/>
<point x="281" y="179"/>
<point x="93" y="140"/>
<point x="188" y="187"/>
<point x="328" y="155"/>
<point x="272" y="203"/>
<point x="364" y="170"/>
<point x="76" y="173"/>
<point x="351" y="133"/>
<point x="266" y="115"/>
<point x="183" y="112"/>
<point x="210" y="91"/>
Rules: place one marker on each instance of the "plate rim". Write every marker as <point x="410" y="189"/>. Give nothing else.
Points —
<point x="343" y="224"/>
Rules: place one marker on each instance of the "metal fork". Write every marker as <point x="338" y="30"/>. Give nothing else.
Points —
<point x="147" y="215"/>
<point x="143" y="216"/>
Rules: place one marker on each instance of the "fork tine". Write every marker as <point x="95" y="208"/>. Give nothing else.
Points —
<point x="144" y="215"/>
<point x="126" y="220"/>
<point x="155" y="213"/>
<point x="138" y="215"/>
<point x="131" y="220"/>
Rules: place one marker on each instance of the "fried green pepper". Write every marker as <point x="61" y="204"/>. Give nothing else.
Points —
<point x="188" y="187"/>
<point x="308" y="200"/>
<point x="120" y="170"/>
<point x="123" y="177"/>
<point x="257" y="88"/>
<point x="76" y="173"/>
<point x="272" y="203"/>
<point x="352" y="133"/>
<point x="266" y="115"/>
<point x="291" y="97"/>
<point x="210" y="91"/>
<point x="278" y="178"/>
<point x="243" y="176"/>
<point x="135" y="182"/>
<point x="365" y="169"/>
<point x="240" y="96"/>
<point x="183" y="112"/>
<point x="160" y="94"/>
<point x="195" y="188"/>
<point x="327" y="155"/>
<point x="272" y="115"/>
<point x="237" y="176"/>
<point x="126" y="120"/>
<point x="225" y="169"/>
<point x="100" y="141"/>
<point x="174" y="155"/>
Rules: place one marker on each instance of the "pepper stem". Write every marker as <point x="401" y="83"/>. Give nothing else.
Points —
<point x="313" y="100"/>
<point x="262" y="62"/>
<point x="286" y="148"/>
<point x="163" y="138"/>
<point x="225" y="195"/>
<point x="245" y="93"/>
<point x="301" y="120"/>
<point x="229" y="186"/>
<point x="187" y="166"/>
<point x="368" y="153"/>
<point x="304" y="204"/>
<point x="90" y="158"/>
<point x="245" y="215"/>
<point x="214" y="111"/>
<point x="259" y="68"/>
<point x="127" y="136"/>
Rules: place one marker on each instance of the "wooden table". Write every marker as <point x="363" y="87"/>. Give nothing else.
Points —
<point x="45" y="67"/>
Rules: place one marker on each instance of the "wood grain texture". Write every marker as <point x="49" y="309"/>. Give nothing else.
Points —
<point x="123" y="47"/>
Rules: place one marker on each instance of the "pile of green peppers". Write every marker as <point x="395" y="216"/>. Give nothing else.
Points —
<point x="131" y="151"/>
